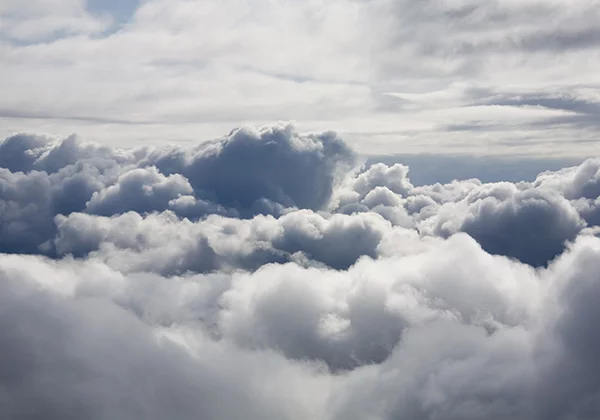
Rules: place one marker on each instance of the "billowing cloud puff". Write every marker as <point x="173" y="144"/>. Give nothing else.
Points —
<point x="452" y="331"/>
<point x="357" y="317"/>
<point x="76" y="354"/>
<point x="531" y="225"/>
<point x="25" y="153"/>
<point x="163" y="242"/>
<point x="248" y="172"/>
<point x="252" y="168"/>
<point x="30" y="200"/>
<point x="140" y="190"/>
<point x="581" y="185"/>
<point x="582" y="181"/>
<point x="267" y="275"/>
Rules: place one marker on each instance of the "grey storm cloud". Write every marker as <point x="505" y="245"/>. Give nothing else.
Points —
<point x="269" y="274"/>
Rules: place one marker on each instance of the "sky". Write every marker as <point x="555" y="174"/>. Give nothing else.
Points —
<point x="511" y="77"/>
<point x="299" y="210"/>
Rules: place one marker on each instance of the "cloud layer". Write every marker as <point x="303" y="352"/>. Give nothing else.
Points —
<point x="394" y="76"/>
<point x="269" y="274"/>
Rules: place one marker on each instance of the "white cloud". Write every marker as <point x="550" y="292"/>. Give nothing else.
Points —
<point x="189" y="69"/>
<point x="451" y="330"/>
<point x="269" y="273"/>
<point x="156" y="287"/>
<point x="38" y="20"/>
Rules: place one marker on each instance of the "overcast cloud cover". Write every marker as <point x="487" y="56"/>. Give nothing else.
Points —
<point x="298" y="270"/>
<point x="391" y="76"/>
<point x="269" y="274"/>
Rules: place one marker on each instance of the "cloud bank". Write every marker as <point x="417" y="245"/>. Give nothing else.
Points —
<point x="268" y="274"/>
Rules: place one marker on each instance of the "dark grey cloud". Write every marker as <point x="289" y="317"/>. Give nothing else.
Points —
<point x="26" y="152"/>
<point x="30" y="201"/>
<point x="530" y="226"/>
<point x="275" y="164"/>
<point x="44" y="179"/>
<point x="26" y="207"/>
<point x="15" y="152"/>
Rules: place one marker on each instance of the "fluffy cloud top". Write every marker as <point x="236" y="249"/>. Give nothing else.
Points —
<point x="268" y="274"/>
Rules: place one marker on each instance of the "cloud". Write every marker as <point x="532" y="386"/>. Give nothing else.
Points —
<point x="269" y="270"/>
<point x="582" y="181"/>
<point x="573" y="333"/>
<point x="41" y="20"/>
<point x="395" y="76"/>
<point x="164" y="243"/>
<point x="357" y="317"/>
<point x="104" y="361"/>
<point x="248" y="172"/>
<point x="141" y="190"/>
<point x="467" y="336"/>
<point x="531" y="225"/>
<point x="251" y="170"/>
<point x="274" y="171"/>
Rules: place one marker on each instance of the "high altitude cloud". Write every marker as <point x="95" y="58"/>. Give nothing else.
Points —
<point x="406" y="76"/>
<point x="269" y="274"/>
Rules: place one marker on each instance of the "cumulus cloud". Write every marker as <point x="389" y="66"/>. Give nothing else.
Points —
<point x="269" y="274"/>
<point x="166" y="243"/>
<point x="89" y="357"/>
<point x="259" y="171"/>
<point x="531" y="225"/>
<point x="246" y="173"/>
<point x="140" y="190"/>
